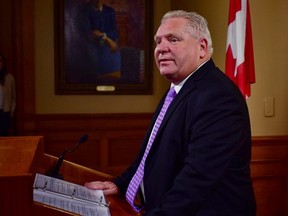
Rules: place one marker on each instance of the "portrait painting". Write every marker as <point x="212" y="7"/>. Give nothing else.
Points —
<point x="103" y="46"/>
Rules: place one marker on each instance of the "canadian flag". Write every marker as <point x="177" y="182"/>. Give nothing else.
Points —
<point x="239" y="48"/>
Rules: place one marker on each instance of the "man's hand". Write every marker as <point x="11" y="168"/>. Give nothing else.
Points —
<point x="108" y="187"/>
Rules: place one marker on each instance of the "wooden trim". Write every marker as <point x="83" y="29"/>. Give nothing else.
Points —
<point x="23" y="57"/>
<point x="269" y="174"/>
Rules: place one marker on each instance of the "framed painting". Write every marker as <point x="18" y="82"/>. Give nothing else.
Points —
<point x="103" y="46"/>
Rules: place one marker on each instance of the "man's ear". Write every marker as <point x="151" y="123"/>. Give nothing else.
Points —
<point x="203" y="47"/>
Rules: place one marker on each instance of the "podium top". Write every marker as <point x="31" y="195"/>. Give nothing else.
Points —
<point x="20" y="159"/>
<point x="17" y="154"/>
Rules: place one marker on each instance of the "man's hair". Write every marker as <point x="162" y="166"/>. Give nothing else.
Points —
<point x="197" y="25"/>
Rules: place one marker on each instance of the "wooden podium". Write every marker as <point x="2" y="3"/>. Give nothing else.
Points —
<point x="21" y="158"/>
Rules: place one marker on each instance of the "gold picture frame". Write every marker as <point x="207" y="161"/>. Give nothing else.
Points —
<point x="81" y="69"/>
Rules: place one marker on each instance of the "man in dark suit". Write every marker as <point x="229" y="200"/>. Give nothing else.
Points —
<point x="198" y="164"/>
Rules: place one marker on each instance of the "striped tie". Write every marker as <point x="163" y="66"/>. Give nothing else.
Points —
<point x="138" y="176"/>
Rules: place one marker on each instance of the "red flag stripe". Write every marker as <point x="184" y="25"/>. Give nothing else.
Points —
<point x="235" y="6"/>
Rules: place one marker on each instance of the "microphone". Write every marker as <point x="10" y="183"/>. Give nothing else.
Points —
<point x="55" y="171"/>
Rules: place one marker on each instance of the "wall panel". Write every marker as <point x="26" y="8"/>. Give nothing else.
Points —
<point x="114" y="139"/>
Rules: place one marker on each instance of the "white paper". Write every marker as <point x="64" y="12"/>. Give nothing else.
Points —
<point x="70" y="197"/>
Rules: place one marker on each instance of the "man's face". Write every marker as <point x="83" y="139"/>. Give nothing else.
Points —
<point x="177" y="53"/>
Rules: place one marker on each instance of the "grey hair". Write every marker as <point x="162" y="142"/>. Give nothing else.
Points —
<point x="197" y="25"/>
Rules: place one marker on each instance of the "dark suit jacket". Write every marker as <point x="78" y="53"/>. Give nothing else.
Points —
<point x="199" y="162"/>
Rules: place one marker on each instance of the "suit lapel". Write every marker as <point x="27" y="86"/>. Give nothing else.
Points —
<point x="187" y="88"/>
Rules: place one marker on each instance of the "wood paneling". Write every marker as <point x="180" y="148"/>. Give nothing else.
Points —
<point x="17" y="42"/>
<point x="114" y="139"/>
<point x="269" y="170"/>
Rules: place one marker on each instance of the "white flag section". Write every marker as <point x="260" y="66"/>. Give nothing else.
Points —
<point x="239" y="49"/>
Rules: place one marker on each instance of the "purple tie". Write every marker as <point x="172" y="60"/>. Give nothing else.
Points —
<point x="137" y="178"/>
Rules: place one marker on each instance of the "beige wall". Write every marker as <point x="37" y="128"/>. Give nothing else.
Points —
<point x="270" y="33"/>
